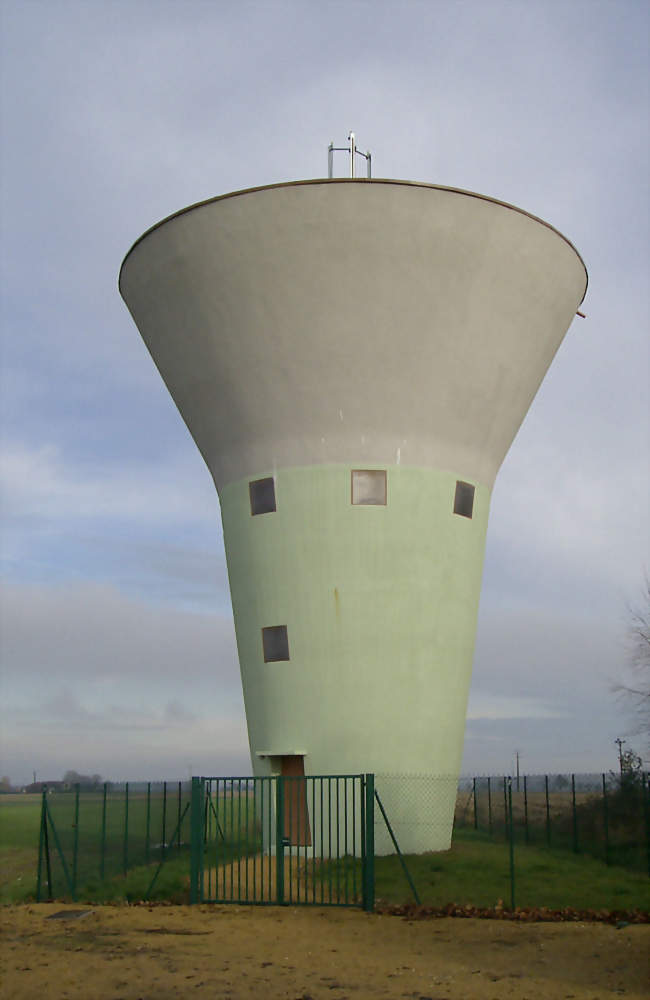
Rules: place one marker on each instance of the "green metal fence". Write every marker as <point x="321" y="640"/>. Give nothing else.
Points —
<point x="89" y="837"/>
<point x="298" y="840"/>
<point x="606" y="816"/>
<point x="319" y="840"/>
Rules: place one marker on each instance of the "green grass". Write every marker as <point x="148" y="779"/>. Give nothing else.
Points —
<point x="171" y="883"/>
<point x="129" y="859"/>
<point x="19" y="825"/>
<point x="111" y="846"/>
<point x="477" y="871"/>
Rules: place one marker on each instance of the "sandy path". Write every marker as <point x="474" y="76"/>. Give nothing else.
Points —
<point x="254" y="879"/>
<point x="126" y="953"/>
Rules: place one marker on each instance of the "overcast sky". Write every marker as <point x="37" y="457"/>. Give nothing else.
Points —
<point x="118" y="651"/>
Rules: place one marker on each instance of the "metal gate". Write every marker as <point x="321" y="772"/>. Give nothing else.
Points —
<point x="283" y="840"/>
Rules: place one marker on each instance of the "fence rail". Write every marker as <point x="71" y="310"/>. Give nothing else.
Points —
<point x="318" y="840"/>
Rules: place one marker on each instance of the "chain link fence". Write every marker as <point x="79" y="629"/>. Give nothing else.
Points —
<point x="420" y="810"/>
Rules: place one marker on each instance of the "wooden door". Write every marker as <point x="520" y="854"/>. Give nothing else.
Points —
<point x="296" y="813"/>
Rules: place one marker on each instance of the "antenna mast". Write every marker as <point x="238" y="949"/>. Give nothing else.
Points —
<point x="353" y="151"/>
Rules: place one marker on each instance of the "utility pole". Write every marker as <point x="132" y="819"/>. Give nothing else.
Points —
<point x="517" y="756"/>
<point x="620" y="743"/>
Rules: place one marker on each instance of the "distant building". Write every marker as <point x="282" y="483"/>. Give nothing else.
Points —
<point x="52" y="786"/>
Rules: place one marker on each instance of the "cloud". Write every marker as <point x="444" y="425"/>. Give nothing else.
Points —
<point x="484" y="705"/>
<point x="116" y="582"/>
<point x="65" y="708"/>
<point x="542" y="684"/>
<point x="39" y="482"/>
<point x="147" y="528"/>
<point x="121" y="744"/>
<point x="96" y="680"/>
<point x="92" y="631"/>
<point x="566" y="523"/>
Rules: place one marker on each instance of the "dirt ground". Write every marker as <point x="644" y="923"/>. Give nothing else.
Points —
<point x="287" y="953"/>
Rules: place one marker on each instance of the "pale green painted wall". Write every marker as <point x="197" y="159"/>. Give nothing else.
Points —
<point x="381" y="606"/>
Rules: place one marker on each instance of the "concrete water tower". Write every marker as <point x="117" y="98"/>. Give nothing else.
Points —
<point x="353" y="358"/>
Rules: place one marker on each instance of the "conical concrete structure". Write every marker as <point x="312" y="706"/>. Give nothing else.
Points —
<point x="353" y="359"/>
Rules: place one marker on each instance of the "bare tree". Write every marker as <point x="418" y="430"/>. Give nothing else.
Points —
<point x="635" y="690"/>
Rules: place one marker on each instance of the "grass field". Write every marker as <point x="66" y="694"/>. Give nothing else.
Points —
<point x="475" y="871"/>
<point x="19" y="824"/>
<point x="615" y="829"/>
<point x="110" y="843"/>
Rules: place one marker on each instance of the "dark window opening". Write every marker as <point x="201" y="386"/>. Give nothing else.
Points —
<point x="262" y="494"/>
<point x="276" y="643"/>
<point x="369" y="487"/>
<point x="464" y="499"/>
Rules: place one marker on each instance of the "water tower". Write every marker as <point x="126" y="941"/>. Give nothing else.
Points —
<point x="353" y="358"/>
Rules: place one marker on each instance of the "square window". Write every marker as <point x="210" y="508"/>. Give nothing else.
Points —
<point x="464" y="499"/>
<point x="276" y="643"/>
<point x="369" y="486"/>
<point x="262" y="494"/>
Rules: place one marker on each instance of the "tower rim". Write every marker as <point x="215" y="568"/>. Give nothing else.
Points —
<point x="357" y="180"/>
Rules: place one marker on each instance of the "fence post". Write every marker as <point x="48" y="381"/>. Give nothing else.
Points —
<point x="178" y="838"/>
<point x="279" y="839"/>
<point x="489" y="807"/>
<point x="368" y="790"/>
<point x="147" y="829"/>
<point x="43" y="851"/>
<point x="196" y="840"/>
<point x="48" y="860"/>
<point x="511" y="829"/>
<point x="526" y="807"/>
<point x="548" y="812"/>
<point x="605" y="820"/>
<point x="575" y="814"/>
<point x="125" y="859"/>
<point x="364" y="839"/>
<point x="402" y="862"/>
<point x="475" y="805"/>
<point x="238" y="840"/>
<point x="59" y="850"/>
<point x="645" y="791"/>
<point x="102" y="854"/>
<point x="230" y="819"/>
<point x="75" y="840"/>
<point x="163" y="838"/>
